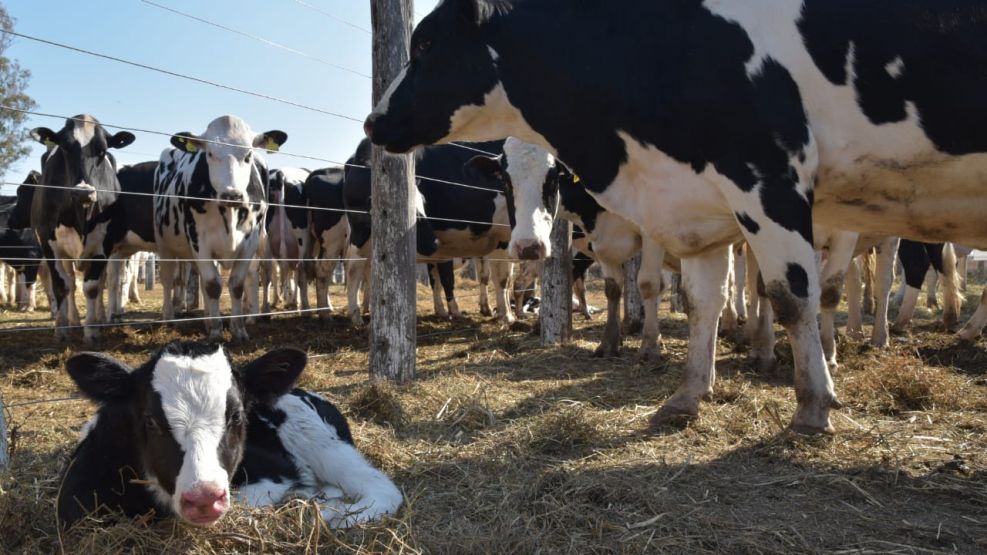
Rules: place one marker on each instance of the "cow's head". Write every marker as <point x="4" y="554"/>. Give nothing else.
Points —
<point x="531" y="177"/>
<point x="229" y="144"/>
<point x="78" y="157"/>
<point x="20" y="217"/>
<point x="450" y="89"/>
<point x="187" y="410"/>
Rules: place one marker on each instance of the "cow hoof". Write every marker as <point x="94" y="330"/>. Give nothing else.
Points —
<point x="832" y="365"/>
<point x="607" y="351"/>
<point x="649" y="354"/>
<point x="240" y="336"/>
<point x="763" y="364"/>
<point x="856" y="335"/>
<point x="633" y="328"/>
<point x="485" y="311"/>
<point x="674" y="416"/>
<point x="812" y="417"/>
<point x="356" y="320"/>
<point x="967" y="336"/>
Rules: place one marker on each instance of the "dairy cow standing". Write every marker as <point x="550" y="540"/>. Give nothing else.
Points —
<point x="329" y="230"/>
<point x="79" y="174"/>
<point x="705" y="122"/>
<point x="209" y="205"/>
<point x="288" y="241"/>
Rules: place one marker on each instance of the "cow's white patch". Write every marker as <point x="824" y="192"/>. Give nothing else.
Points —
<point x="67" y="242"/>
<point x="193" y="394"/>
<point x="495" y="119"/>
<point x="895" y="67"/>
<point x="88" y="427"/>
<point x="263" y="493"/>
<point x="528" y="167"/>
<point x="493" y="53"/>
<point x="83" y="131"/>
<point x="385" y="101"/>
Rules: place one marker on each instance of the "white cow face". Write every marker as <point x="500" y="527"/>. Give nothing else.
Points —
<point x="229" y="144"/>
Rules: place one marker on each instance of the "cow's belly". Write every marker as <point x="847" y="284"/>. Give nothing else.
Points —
<point x="677" y="208"/>
<point x="462" y="243"/>
<point x="217" y="240"/>
<point x="67" y="243"/>
<point x="615" y="239"/>
<point x="941" y="198"/>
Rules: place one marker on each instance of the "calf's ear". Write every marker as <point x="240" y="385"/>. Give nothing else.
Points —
<point x="272" y="375"/>
<point x="186" y="141"/>
<point x="101" y="378"/>
<point x="121" y="139"/>
<point x="270" y="141"/>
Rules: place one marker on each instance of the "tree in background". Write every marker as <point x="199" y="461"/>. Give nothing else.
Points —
<point x="14" y="140"/>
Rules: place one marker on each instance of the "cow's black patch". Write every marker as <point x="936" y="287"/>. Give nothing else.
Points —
<point x="798" y="280"/>
<point x="749" y="224"/>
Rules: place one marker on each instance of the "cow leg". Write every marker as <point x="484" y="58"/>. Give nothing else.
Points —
<point x="71" y="306"/>
<point x="447" y="278"/>
<point x="831" y="282"/>
<point x="26" y="293"/>
<point x="704" y="278"/>
<point x="252" y="284"/>
<point x="729" y="321"/>
<point x="579" y="290"/>
<point x="883" y="279"/>
<point x="867" y="273"/>
<point x="975" y="325"/>
<point x="915" y="260"/>
<point x="962" y="267"/>
<point x="752" y="278"/>
<point x="433" y="282"/>
<point x="134" y="290"/>
<point x="212" y="286"/>
<point x="113" y="289"/>
<point x="952" y="299"/>
<point x="4" y="279"/>
<point x="650" y="286"/>
<point x="355" y="271"/>
<point x="287" y="280"/>
<point x="301" y="282"/>
<point x="60" y="279"/>
<point x="931" y="289"/>
<point x="168" y="271"/>
<point x="613" y="275"/>
<point x="238" y="275"/>
<point x="483" y="276"/>
<point x="500" y="273"/>
<point x="740" y="281"/>
<point x="854" y="299"/>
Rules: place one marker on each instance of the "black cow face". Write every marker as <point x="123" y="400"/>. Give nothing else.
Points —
<point x="450" y="73"/>
<point x="20" y="217"/>
<point x="79" y="157"/>
<point x="187" y="408"/>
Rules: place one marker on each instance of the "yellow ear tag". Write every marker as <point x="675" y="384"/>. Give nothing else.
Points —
<point x="575" y="179"/>
<point x="190" y="147"/>
<point x="271" y="145"/>
<point x="49" y="144"/>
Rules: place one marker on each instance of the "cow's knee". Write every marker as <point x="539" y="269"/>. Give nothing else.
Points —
<point x="213" y="288"/>
<point x="647" y="288"/>
<point x="788" y="300"/>
<point x="237" y="290"/>
<point x="91" y="289"/>
<point x="832" y="291"/>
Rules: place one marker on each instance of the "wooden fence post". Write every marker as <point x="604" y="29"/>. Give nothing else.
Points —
<point x="392" y="282"/>
<point x="556" y="287"/>
<point x="4" y="453"/>
<point x="633" y="304"/>
<point x="149" y="273"/>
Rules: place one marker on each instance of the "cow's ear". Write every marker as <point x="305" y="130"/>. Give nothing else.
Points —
<point x="477" y="11"/>
<point x="45" y="136"/>
<point x="121" y="139"/>
<point x="186" y="142"/>
<point x="272" y="375"/>
<point x="271" y="141"/>
<point x="101" y="378"/>
<point x="486" y="168"/>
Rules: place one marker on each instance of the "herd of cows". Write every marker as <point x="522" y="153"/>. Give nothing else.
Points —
<point x="697" y="134"/>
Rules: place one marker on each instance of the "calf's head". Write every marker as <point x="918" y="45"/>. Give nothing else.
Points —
<point x="186" y="410"/>
<point x="530" y="177"/>
<point x="450" y="88"/>
<point x="229" y="144"/>
<point x="79" y="158"/>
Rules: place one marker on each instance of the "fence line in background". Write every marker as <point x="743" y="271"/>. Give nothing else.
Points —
<point x="333" y="17"/>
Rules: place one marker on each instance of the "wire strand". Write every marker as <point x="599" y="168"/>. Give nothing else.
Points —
<point x="257" y="38"/>
<point x="333" y="17"/>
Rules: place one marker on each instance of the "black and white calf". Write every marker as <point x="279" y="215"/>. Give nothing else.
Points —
<point x="81" y="182"/>
<point x="209" y="205"/>
<point x="751" y="119"/>
<point x="329" y="230"/>
<point x="185" y="434"/>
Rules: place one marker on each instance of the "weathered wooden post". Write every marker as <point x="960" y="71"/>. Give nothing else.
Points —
<point x="191" y="287"/>
<point x="4" y="453"/>
<point x="633" y="304"/>
<point x="392" y="278"/>
<point x="556" y="287"/>
<point x="149" y="273"/>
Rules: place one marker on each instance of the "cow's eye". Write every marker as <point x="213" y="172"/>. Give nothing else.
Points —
<point x="152" y="425"/>
<point x="209" y="154"/>
<point x="422" y="47"/>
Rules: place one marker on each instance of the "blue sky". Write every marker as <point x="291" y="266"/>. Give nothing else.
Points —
<point x="69" y="83"/>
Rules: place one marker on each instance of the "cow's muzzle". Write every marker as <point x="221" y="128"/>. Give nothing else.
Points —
<point x="231" y="198"/>
<point x="530" y="250"/>
<point x="84" y="194"/>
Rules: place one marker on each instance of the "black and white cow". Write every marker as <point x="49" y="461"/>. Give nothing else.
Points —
<point x="917" y="258"/>
<point x="288" y="240"/>
<point x="454" y="221"/>
<point x="706" y="121"/>
<point x="185" y="434"/>
<point x="535" y="185"/>
<point x="20" y="253"/>
<point x="224" y="227"/>
<point x="329" y="230"/>
<point x="80" y="178"/>
<point x="120" y="230"/>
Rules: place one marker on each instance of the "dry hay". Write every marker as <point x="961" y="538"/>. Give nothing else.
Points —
<point x="502" y="446"/>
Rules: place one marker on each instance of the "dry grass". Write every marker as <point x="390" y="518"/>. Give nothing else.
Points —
<point x="502" y="446"/>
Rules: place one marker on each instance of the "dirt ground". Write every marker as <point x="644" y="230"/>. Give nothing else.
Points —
<point x="502" y="446"/>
